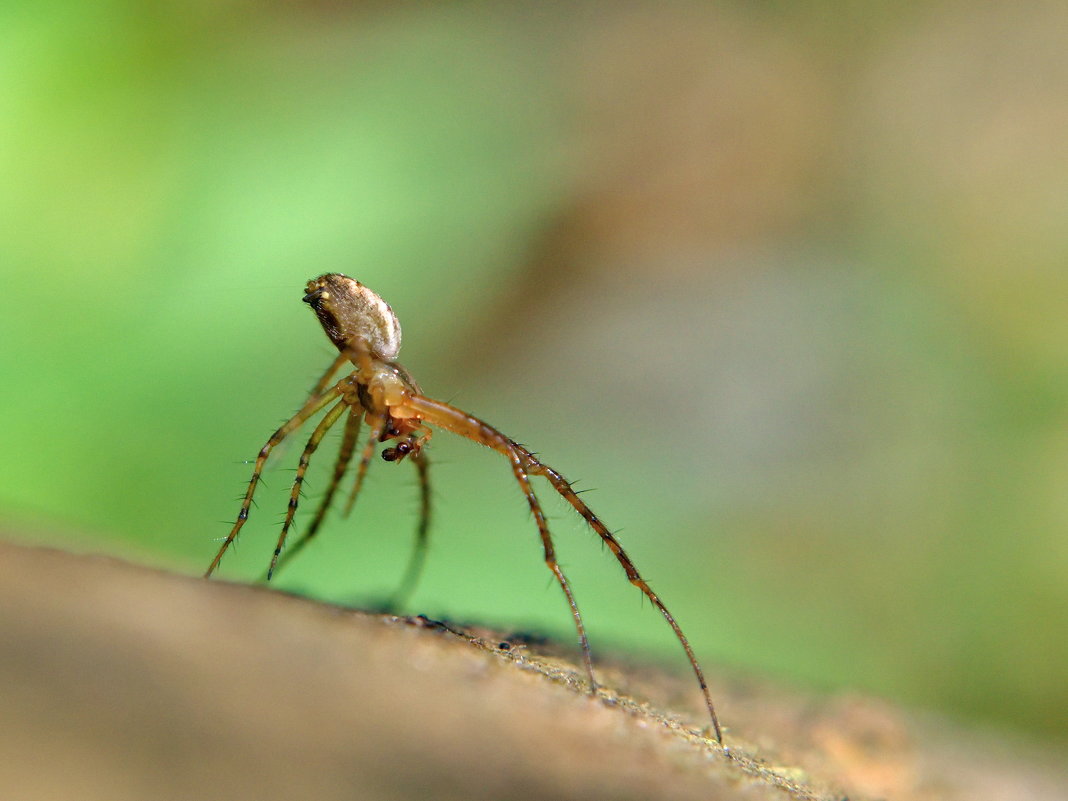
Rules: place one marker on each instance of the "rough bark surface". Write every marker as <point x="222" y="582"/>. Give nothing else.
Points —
<point x="119" y="682"/>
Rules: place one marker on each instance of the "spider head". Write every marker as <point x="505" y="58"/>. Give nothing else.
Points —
<point x="350" y="313"/>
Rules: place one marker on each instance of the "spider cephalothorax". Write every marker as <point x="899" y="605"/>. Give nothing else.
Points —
<point x="380" y="392"/>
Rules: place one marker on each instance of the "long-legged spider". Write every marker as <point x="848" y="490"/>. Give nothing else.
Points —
<point x="380" y="391"/>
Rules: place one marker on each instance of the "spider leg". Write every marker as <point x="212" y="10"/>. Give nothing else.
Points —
<point x="418" y="556"/>
<point x="378" y="425"/>
<point x="344" y="456"/>
<point x="324" y="382"/>
<point x="523" y="464"/>
<point x="563" y="486"/>
<point x="550" y="559"/>
<point x="452" y="419"/>
<point x="314" y="404"/>
<point x="316" y="437"/>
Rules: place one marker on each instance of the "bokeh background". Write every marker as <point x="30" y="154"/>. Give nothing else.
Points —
<point x="785" y="284"/>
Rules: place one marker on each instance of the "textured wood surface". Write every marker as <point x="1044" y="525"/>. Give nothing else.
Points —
<point x="119" y="682"/>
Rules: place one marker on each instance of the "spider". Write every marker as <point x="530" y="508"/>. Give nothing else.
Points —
<point x="379" y="391"/>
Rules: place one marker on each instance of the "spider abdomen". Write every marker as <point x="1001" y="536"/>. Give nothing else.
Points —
<point x="354" y="316"/>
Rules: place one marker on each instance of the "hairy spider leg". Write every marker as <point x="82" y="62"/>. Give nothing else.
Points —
<point x="378" y="425"/>
<point x="316" y="437"/>
<point x="458" y="422"/>
<point x="341" y="465"/>
<point x="523" y="464"/>
<point x="563" y="486"/>
<point x="418" y="556"/>
<point x="316" y="403"/>
<point x="324" y="381"/>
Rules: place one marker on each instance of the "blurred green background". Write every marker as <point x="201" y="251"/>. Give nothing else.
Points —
<point x="786" y="284"/>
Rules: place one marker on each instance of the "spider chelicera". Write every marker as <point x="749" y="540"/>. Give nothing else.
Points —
<point x="380" y="391"/>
